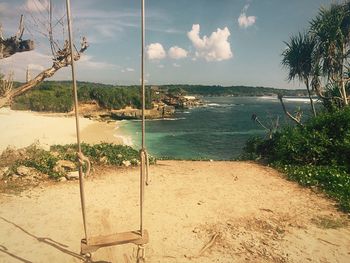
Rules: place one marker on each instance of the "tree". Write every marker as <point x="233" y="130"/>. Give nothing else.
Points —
<point x="331" y="29"/>
<point x="298" y="59"/>
<point x="61" y="56"/>
<point x="15" y="44"/>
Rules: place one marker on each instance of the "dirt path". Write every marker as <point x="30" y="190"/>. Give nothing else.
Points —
<point x="195" y="212"/>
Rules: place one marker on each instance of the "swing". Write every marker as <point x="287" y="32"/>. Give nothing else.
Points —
<point x="139" y="237"/>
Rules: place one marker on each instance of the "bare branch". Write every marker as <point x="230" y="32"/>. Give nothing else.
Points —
<point x="15" y="44"/>
<point x="63" y="61"/>
<point x="296" y="119"/>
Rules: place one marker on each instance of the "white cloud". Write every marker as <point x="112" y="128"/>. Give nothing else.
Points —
<point x="176" y="52"/>
<point x="213" y="48"/>
<point x="127" y="70"/>
<point x="18" y="63"/>
<point x="155" y="51"/>
<point x="35" y="67"/>
<point x="37" y="5"/>
<point x="87" y="61"/>
<point x="245" y="21"/>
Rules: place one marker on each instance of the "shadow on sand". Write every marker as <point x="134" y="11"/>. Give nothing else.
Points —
<point x="48" y="241"/>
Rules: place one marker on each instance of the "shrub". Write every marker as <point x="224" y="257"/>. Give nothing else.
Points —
<point x="45" y="161"/>
<point x="317" y="154"/>
<point x="334" y="180"/>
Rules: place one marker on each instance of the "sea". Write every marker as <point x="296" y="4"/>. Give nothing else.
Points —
<point x="216" y="131"/>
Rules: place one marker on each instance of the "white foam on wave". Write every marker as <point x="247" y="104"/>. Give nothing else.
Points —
<point x="300" y="99"/>
<point x="268" y="97"/>
<point x="168" y="119"/>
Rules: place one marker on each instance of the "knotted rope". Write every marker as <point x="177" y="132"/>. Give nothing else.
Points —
<point x="82" y="159"/>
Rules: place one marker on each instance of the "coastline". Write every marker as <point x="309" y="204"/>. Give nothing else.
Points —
<point x="23" y="128"/>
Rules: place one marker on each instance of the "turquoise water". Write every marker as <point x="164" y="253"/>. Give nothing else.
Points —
<point x="217" y="131"/>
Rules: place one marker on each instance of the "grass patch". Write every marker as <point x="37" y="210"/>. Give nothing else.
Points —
<point x="328" y="222"/>
<point x="45" y="161"/>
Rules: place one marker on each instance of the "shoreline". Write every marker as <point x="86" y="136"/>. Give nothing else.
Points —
<point x="23" y="128"/>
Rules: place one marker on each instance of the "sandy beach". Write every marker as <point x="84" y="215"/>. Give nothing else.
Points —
<point x="22" y="128"/>
<point x="194" y="211"/>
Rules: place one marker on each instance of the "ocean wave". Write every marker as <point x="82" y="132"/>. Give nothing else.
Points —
<point x="126" y="140"/>
<point x="300" y="99"/>
<point x="222" y="105"/>
<point x="268" y="98"/>
<point x="167" y="119"/>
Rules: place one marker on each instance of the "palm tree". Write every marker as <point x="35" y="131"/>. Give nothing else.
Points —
<point x="298" y="59"/>
<point x="331" y="29"/>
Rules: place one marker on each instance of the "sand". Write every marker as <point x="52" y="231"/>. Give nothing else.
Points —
<point x="249" y="212"/>
<point x="194" y="211"/>
<point x="22" y="128"/>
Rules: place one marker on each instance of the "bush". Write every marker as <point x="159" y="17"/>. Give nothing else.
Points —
<point x="57" y="97"/>
<point x="45" y="161"/>
<point x="103" y="153"/>
<point x="334" y="180"/>
<point x="317" y="154"/>
<point x="324" y="140"/>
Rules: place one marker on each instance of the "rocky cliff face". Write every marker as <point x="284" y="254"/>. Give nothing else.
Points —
<point x="164" y="107"/>
<point x="164" y="111"/>
<point x="182" y="102"/>
<point x="160" y="111"/>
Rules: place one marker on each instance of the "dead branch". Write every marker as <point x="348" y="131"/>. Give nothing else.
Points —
<point x="15" y="44"/>
<point x="270" y="131"/>
<point x="296" y="119"/>
<point x="256" y="119"/>
<point x="208" y="245"/>
<point x="59" y="62"/>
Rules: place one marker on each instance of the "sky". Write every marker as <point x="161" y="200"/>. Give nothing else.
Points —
<point x="208" y="42"/>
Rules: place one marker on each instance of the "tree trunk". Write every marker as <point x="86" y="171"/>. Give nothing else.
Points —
<point x="47" y="73"/>
<point x="280" y="97"/>
<point x="342" y="78"/>
<point x="311" y="101"/>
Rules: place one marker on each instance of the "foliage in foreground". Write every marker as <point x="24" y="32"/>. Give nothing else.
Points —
<point x="45" y="161"/>
<point x="317" y="154"/>
<point x="103" y="153"/>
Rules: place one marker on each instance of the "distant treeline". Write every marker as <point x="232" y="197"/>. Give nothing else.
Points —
<point x="232" y="90"/>
<point x="56" y="96"/>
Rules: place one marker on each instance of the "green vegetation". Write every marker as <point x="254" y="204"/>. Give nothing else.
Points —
<point x="103" y="153"/>
<point x="56" y="96"/>
<point x="317" y="153"/>
<point x="203" y="90"/>
<point x="45" y="162"/>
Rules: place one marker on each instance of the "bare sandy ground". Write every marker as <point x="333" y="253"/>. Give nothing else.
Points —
<point x="247" y="211"/>
<point x="22" y="128"/>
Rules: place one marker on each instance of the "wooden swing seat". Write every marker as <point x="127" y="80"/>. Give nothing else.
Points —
<point x="94" y="243"/>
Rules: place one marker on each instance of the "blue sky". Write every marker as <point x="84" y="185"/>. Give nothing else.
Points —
<point x="218" y="42"/>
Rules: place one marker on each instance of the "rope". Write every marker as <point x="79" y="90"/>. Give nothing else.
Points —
<point x="81" y="157"/>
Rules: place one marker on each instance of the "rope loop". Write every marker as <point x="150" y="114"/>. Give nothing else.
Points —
<point x="141" y="254"/>
<point x="82" y="159"/>
<point x="144" y="157"/>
